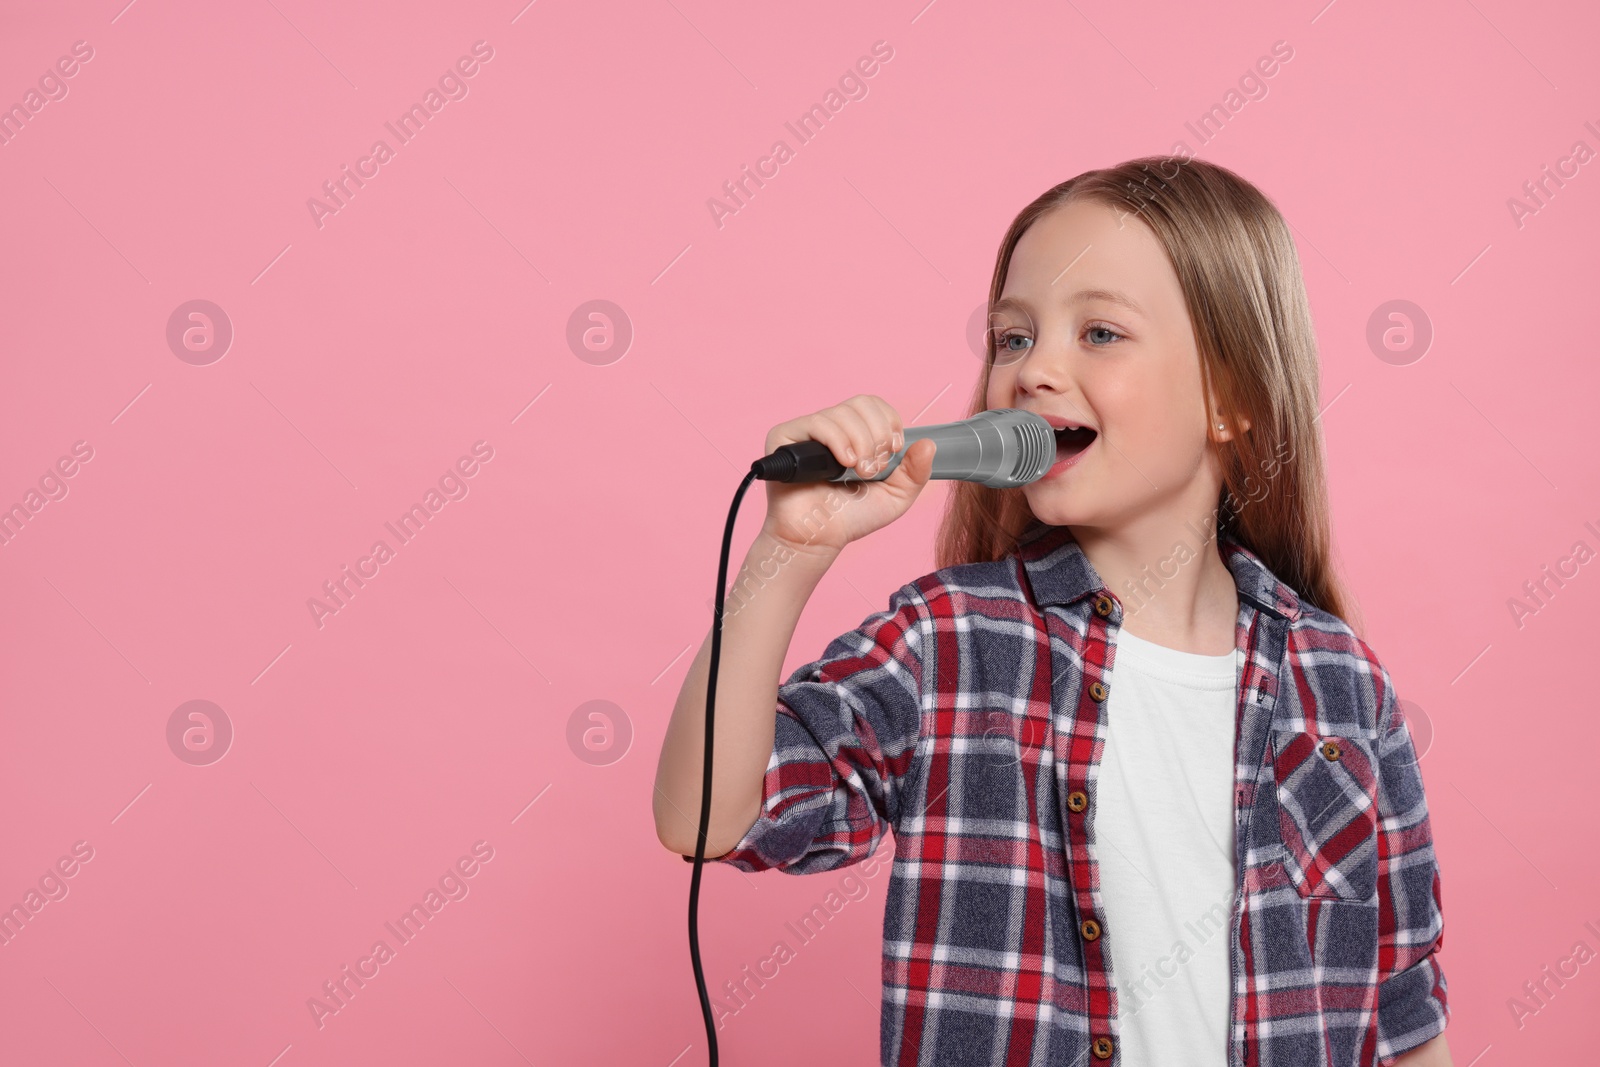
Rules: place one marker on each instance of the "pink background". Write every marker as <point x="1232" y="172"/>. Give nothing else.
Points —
<point x="432" y="711"/>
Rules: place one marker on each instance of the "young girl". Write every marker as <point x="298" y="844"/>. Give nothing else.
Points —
<point x="1154" y="800"/>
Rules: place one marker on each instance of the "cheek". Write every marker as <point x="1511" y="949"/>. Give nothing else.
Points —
<point x="1000" y="392"/>
<point x="1126" y="403"/>
<point x="1151" y="415"/>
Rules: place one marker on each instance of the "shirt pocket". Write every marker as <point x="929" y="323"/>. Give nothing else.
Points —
<point x="1327" y="791"/>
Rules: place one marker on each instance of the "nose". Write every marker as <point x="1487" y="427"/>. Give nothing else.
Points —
<point x="1045" y="376"/>
<point x="1041" y="372"/>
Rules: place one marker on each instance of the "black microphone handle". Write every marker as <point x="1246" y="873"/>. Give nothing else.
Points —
<point x="802" y="461"/>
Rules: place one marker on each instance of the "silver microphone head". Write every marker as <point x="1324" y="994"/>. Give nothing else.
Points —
<point x="1002" y="448"/>
<point x="1015" y="447"/>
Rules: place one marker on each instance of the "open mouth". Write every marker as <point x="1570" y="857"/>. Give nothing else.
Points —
<point x="1070" y="442"/>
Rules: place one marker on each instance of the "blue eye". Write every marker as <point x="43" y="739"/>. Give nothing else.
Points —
<point x="1006" y="352"/>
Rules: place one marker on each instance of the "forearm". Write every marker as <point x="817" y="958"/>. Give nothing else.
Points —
<point x="763" y="607"/>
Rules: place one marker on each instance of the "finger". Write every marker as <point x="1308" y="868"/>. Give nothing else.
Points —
<point x="795" y="431"/>
<point x="896" y="426"/>
<point x="918" y="461"/>
<point x="787" y="433"/>
<point x="860" y="431"/>
<point x="826" y="427"/>
<point x="880" y="418"/>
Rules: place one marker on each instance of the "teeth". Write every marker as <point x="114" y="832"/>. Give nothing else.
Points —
<point x="1071" y="427"/>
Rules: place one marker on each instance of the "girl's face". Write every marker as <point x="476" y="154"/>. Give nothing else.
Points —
<point x="1094" y="326"/>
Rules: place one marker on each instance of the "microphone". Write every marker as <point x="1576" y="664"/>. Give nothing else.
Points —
<point x="1002" y="448"/>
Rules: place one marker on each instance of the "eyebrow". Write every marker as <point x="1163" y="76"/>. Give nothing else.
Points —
<point x="1111" y="296"/>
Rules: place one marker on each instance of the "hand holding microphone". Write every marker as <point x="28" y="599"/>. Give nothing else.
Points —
<point x="863" y="441"/>
<point x="861" y="435"/>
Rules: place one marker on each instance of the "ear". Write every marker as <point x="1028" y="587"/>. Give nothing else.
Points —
<point x="1223" y="428"/>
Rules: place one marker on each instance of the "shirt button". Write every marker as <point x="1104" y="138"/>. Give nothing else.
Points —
<point x="1077" y="800"/>
<point x="1102" y="606"/>
<point x="1102" y="1048"/>
<point x="1091" y="930"/>
<point x="1098" y="691"/>
<point x="1330" y="750"/>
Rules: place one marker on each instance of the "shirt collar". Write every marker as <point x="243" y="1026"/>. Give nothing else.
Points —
<point x="1060" y="572"/>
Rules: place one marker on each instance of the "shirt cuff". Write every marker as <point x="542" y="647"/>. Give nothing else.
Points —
<point x="741" y="854"/>
<point x="1413" y="1008"/>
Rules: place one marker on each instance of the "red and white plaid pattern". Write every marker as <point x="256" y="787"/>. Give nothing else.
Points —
<point x="970" y="718"/>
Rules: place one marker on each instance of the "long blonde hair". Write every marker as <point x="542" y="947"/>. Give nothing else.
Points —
<point x="1240" y="274"/>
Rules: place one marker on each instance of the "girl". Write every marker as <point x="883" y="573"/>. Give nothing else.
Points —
<point x="1154" y="800"/>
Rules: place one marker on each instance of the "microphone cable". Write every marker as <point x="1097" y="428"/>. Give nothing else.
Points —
<point x="804" y="461"/>
<point x="705" y="781"/>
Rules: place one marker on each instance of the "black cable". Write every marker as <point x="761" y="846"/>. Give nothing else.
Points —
<point x="705" y="783"/>
<point x="803" y="461"/>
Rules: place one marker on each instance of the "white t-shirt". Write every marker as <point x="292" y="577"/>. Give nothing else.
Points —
<point x="1164" y="839"/>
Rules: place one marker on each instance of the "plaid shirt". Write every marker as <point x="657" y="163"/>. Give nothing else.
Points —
<point x="970" y="717"/>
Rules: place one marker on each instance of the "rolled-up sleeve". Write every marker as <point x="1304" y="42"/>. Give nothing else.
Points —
<point x="844" y="746"/>
<point x="1413" y="1002"/>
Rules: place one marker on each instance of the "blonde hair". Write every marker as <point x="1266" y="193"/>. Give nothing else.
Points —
<point x="1240" y="275"/>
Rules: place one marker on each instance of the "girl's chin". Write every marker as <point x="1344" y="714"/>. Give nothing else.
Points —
<point x="1052" y="506"/>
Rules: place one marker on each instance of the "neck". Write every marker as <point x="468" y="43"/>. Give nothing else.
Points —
<point x="1175" y="589"/>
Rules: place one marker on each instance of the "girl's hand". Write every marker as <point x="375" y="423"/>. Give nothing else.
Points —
<point x="864" y="432"/>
